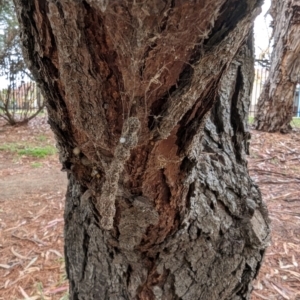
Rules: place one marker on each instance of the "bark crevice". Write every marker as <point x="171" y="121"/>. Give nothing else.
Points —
<point x="163" y="209"/>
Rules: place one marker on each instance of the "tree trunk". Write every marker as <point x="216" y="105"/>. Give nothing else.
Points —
<point x="275" y="104"/>
<point x="159" y="203"/>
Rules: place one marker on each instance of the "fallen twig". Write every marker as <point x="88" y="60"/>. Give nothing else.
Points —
<point x="273" y="172"/>
<point x="17" y="254"/>
<point x="36" y="241"/>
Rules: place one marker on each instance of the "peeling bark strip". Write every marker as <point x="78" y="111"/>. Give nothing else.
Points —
<point x="148" y="101"/>
<point x="275" y="104"/>
<point x="106" y="201"/>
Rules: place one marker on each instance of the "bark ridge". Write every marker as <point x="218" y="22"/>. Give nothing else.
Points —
<point x="148" y="101"/>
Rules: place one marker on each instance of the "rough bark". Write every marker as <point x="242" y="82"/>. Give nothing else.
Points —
<point x="275" y="104"/>
<point x="159" y="204"/>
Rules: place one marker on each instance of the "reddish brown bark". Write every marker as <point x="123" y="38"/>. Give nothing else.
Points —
<point x="160" y="204"/>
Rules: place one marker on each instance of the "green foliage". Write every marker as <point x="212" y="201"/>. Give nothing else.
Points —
<point x="24" y="150"/>
<point x="7" y="13"/>
<point x="39" y="152"/>
<point x="20" y="100"/>
<point x="8" y="21"/>
<point x="11" y="59"/>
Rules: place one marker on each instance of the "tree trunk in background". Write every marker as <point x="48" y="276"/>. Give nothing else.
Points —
<point x="159" y="204"/>
<point x="275" y="104"/>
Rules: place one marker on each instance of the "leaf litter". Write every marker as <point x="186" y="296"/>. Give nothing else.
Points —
<point x="31" y="218"/>
<point x="274" y="164"/>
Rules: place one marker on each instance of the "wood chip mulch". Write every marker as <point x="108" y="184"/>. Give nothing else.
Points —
<point x="274" y="164"/>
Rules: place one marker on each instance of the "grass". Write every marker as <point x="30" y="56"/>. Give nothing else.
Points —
<point x="42" y="294"/>
<point x="41" y="138"/>
<point x="40" y="289"/>
<point x="39" y="152"/>
<point x="23" y="111"/>
<point x="294" y="123"/>
<point x="10" y="147"/>
<point x="63" y="278"/>
<point x="65" y="297"/>
<point x="36" y="165"/>
<point x="28" y="150"/>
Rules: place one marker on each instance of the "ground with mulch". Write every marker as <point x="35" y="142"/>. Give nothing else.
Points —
<point x="32" y="190"/>
<point x="32" y="202"/>
<point x="274" y="164"/>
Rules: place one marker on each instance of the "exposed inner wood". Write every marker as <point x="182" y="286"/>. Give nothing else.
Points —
<point x="148" y="101"/>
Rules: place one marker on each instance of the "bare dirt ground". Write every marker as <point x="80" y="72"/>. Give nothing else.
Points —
<point x="31" y="216"/>
<point x="32" y="193"/>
